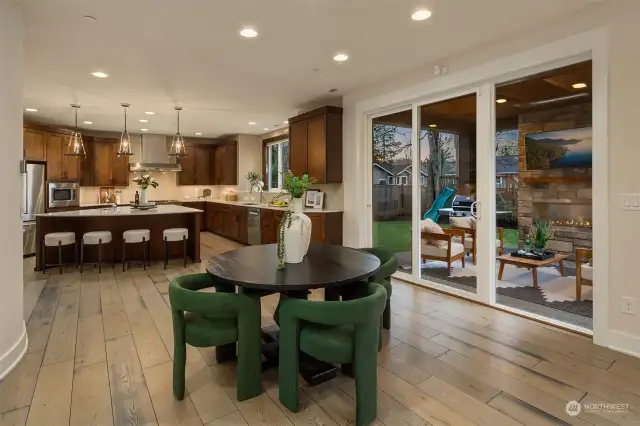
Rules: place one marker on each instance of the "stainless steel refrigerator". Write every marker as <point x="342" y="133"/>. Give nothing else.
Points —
<point x="33" y="202"/>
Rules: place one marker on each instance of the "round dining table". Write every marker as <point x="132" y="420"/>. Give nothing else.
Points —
<point x="256" y="268"/>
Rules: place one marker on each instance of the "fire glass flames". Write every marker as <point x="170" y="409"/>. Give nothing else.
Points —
<point x="578" y="223"/>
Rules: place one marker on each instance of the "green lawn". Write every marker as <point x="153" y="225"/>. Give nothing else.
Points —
<point x="396" y="236"/>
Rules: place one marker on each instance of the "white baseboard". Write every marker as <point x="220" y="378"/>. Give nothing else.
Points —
<point x="10" y="359"/>
<point x="622" y="342"/>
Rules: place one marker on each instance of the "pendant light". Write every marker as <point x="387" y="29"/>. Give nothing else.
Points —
<point x="125" y="138"/>
<point x="177" y="146"/>
<point x="75" y="147"/>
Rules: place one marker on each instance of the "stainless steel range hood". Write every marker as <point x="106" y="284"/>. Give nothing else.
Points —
<point x="151" y="154"/>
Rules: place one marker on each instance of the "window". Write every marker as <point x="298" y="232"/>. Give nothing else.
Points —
<point x="422" y="180"/>
<point x="382" y="181"/>
<point x="404" y="180"/>
<point x="277" y="162"/>
<point x="391" y="180"/>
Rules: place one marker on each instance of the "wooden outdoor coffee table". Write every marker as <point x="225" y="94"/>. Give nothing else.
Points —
<point x="531" y="264"/>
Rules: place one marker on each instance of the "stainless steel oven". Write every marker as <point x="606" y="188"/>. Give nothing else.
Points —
<point x="63" y="194"/>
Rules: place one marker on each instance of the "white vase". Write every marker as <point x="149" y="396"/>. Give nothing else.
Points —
<point x="297" y="236"/>
<point x="143" y="196"/>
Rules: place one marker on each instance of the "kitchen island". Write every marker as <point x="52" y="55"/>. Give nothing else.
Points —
<point x="117" y="220"/>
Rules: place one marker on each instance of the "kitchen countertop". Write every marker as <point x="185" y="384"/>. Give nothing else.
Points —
<point x="124" y="211"/>
<point x="259" y="206"/>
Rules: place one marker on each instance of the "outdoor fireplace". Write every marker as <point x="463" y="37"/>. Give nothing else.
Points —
<point x="571" y="224"/>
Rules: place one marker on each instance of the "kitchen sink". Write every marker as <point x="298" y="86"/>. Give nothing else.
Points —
<point x="250" y="204"/>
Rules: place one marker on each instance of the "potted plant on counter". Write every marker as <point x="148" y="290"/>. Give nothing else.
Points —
<point x="294" y="231"/>
<point x="144" y="182"/>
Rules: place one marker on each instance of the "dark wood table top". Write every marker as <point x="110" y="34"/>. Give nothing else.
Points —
<point x="256" y="267"/>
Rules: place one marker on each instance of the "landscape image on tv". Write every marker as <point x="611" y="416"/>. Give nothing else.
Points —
<point x="559" y="150"/>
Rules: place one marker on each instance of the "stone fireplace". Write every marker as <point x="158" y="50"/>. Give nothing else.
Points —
<point x="559" y="196"/>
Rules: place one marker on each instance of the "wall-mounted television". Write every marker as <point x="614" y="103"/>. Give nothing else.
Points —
<point x="561" y="149"/>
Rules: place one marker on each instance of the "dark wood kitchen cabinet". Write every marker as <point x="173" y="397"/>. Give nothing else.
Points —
<point x="225" y="163"/>
<point x="315" y="144"/>
<point x="60" y="166"/>
<point x="103" y="167"/>
<point x="326" y="228"/>
<point x="34" y="145"/>
<point x="187" y="176"/>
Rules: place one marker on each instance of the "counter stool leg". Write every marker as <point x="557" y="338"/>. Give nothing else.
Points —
<point x="60" y="256"/>
<point x="81" y="255"/>
<point x="144" y="253"/>
<point x="124" y="253"/>
<point x="184" y="250"/>
<point x="113" y="257"/>
<point x="165" y="253"/>
<point x="100" y="256"/>
<point x="43" y="257"/>
<point x="75" y="253"/>
<point x="149" y="253"/>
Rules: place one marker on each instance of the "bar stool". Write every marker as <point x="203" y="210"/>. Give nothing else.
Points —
<point x="134" y="236"/>
<point x="175" y="234"/>
<point x="58" y="239"/>
<point x="95" y="238"/>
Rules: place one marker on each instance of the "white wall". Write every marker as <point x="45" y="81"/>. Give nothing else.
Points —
<point x="13" y="339"/>
<point x="620" y="18"/>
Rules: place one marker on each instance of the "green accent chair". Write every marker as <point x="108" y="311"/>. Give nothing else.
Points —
<point x="388" y="265"/>
<point x="204" y="319"/>
<point x="344" y="332"/>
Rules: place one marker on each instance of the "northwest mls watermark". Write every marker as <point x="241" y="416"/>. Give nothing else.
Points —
<point x="574" y="408"/>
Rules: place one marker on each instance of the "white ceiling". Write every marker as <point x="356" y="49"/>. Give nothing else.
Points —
<point x="161" y="53"/>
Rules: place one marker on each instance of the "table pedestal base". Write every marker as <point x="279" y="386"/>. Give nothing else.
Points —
<point x="312" y="370"/>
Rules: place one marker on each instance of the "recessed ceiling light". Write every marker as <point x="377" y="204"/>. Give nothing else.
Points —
<point x="31" y="109"/>
<point x="433" y="125"/>
<point x="579" y="85"/>
<point x="286" y="122"/>
<point x="142" y="120"/>
<point x="100" y="74"/>
<point x="421" y="15"/>
<point x="198" y="134"/>
<point x="144" y="130"/>
<point x="88" y="122"/>
<point x="149" y="113"/>
<point x="266" y="128"/>
<point x="501" y="101"/>
<point x="341" y="57"/>
<point x="248" y="33"/>
<point x="252" y="123"/>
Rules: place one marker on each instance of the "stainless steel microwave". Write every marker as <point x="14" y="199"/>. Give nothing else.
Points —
<point x="63" y="194"/>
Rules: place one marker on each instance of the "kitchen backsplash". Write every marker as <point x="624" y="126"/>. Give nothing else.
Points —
<point x="168" y="190"/>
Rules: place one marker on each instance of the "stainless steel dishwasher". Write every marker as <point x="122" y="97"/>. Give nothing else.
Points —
<point x="254" y="233"/>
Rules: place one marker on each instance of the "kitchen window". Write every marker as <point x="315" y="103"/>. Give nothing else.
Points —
<point x="277" y="162"/>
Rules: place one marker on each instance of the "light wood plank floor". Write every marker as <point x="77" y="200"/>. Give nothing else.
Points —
<point x="101" y="348"/>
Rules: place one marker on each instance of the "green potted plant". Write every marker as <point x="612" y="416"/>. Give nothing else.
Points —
<point x="542" y="233"/>
<point x="144" y="182"/>
<point x="294" y="231"/>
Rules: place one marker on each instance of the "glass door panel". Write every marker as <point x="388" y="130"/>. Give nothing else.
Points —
<point x="391" y="185"/>
<point x="449" y="242"/>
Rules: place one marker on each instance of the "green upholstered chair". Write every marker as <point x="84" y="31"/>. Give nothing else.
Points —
<point x="204" y="319"/>
<point x="343" y="332"/>
<point x="389" y="265"/>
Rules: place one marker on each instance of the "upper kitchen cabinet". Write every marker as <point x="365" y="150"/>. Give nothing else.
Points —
<point x="34" y="145"/>
<point x="187" y="176"/>
<point x="60" y="166"/>
<point x="225" y="163"/>
<point x="315" y="144"/>
<point x="102" y="166"/>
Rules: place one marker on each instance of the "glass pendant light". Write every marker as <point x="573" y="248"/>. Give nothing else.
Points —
<point x="75" y="147"/>
<point x="125" y="138"/>
<point x="177" y="146"/>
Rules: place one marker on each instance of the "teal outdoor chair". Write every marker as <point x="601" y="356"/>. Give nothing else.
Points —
<point x="204" y="319"/>
<point x="343" y="332"/>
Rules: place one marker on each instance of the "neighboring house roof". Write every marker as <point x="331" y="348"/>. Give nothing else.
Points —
<point x="506" y="164"/>
<point x="384" y="168"/>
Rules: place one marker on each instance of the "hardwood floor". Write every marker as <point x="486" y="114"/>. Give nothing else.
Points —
<point x="100" y="350"/>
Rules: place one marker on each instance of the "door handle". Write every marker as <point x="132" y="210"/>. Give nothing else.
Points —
<point x="475" y="210"/>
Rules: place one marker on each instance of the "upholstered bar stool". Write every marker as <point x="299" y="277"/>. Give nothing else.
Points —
<point x="95" y="238"/>
<point x="58" y="239"/>
<point x="175" y="234"/>
<point x="134" y="236"/>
